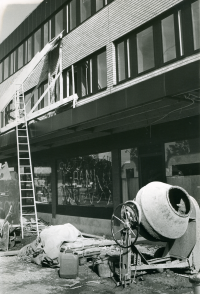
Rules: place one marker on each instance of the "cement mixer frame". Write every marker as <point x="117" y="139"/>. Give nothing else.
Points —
<point x="182" y="252"/>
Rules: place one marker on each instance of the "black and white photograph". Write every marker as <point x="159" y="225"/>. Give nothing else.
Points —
<point x="99" y="146"/>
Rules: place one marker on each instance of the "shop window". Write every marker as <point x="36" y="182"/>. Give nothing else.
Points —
<point x="102" y="70"/>
<point x="85" y="181"/>
<point x="99" y="4"/>
<point x="72" y="15"/>
<point x="6" y="68"/>
<point x="1" y="72"/>
<point x="129" y="173"/>
<point x="86" y="9"/>
<point x="29" y="48"/>
<point x="145" y="50"/>
<point x="20" y="56"/>
<point x="46" y="33"/>
<point x="196" y="24"/>
<point x="168" y="38"/>
<point x="182" y="160"/>
<point x="37" y="41"/>
<point x="59" y="22"/>
<point x="42" y="183"/>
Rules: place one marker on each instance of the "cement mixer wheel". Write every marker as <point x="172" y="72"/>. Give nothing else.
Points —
<point x="125" y="225"/>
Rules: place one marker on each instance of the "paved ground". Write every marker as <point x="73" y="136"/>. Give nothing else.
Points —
<point x="17" y="277"/>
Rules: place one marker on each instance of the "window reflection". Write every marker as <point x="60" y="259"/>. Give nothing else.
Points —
<point x="85" y="77"/>
<point x="196" y="24"/>
<point x="102" y="70"/>
<point x="129" y="173"/>
<point x="85" y="180"/>
<point x="6" y="71"/>
<point x="168" y="38"/>
<point x="182" y="159"/>
<point x="85" y="9"/>
<point x="99" y="4"/>
<point x="72" y="14"/>
<point x="121" y="61"/>
<point x="145" y="50"/>
<point x="37" y="41"/>
<point x="42" y="183"/>
<point x="59" y="22"/>
<point x="29" y="49"/>
<point x="46" y="33"/>
<point x="20" y="56"/>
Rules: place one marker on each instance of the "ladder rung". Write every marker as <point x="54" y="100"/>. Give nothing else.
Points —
<point x="21" y="129"/>
<point x="27" y="197"/>
<point x="23" y="151"/>
<point x="23" y="143"/>
<point x="22" y="136"/>
<point x="26" y="181"/>
<point x="26" y="189"/>
<point x="25" y="173"/>
<point x="28" y="213"/>
<point x="29" y="223"/>
<point x="25" y="158"/>
<point x="22" y="165"/>
<point x="28" y="205"/>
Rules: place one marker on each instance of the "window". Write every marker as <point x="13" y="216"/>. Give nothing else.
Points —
<point x="85" y="180"/>
<point x="86" y="80"/>
<point x="145" y="50"/>
<point x="37" y="41"/>
<point x="99" y="4"/>
<point x="46" y="34"/>
<point x="6" y="68"/>
<point x="180" y="32"/>
<point x="1" y="72"/>
<point x="196" y="24"/>
<point x="182" y="160"/>
<point x="123" y="60"/>
<point x="29" y="48"/>
<point x="102" y="70"/>
<point x="72" y="15"/>
<point x="11" y="63"/>
<point x="20" y="56"/>
<point x="9" y="113"/>
<point x="59" y="22"/>
<point x="42" y="182"/>
<point x="86" y="9"/>
<point x="27" y="100"/>
<point x="129" y="173"/>
<point x="168" y="38"/>
<point x="25" y="52"/>
<point x="68" y="83"/>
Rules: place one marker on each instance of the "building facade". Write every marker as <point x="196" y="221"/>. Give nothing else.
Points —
<point x="123" y="110"/>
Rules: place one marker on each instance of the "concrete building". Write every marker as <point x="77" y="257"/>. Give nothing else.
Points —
<point x="120" y="106"/>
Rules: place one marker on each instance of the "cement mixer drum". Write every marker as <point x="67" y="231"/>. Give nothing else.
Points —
<point x="165" y="211"/>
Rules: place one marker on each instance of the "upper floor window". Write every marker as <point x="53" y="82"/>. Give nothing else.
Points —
<point x="145" y="50"/>
<point x="46" y="33"/>
<point x="123" y="60"/>
<point x="6" y="68"/>
<point x="1" y="72"/>
<point x="168" y="38"/>
<point x="196" y="24"/>
<point x="20" y="56"/>
<point x="59" y="22"/>
<point x="99" y="4"/>
<point x="102" y="70"/>
<point x="29" y="48"/>
<point x="86" y="9"/>
<point x="72" y="15"/>
<point x="37" y="41"/>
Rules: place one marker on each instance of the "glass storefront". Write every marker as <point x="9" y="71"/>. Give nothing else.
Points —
<point x="182" y="161"/>
<point x="42" y="183"/>
<point x="85" y="181"/>
<point x="129" y="173"/>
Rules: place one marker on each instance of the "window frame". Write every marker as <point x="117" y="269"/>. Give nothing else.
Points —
<point x="193" y="39"/>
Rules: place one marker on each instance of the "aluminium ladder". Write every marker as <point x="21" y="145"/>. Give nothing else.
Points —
<point x="26" y="185"/>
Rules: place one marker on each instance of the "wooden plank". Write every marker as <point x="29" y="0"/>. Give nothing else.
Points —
<point x="183" y="264"/>
<point x="9" y="253"/>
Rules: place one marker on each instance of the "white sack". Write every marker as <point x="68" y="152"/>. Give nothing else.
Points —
<point x="53" y="236"/>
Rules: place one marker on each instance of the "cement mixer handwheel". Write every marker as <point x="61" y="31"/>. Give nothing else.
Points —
<point x="128" y="221"/>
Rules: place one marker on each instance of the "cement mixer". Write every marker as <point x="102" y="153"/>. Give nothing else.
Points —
<point x="159" y="213"/>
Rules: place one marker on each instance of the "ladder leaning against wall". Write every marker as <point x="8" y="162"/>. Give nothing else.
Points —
<point x="28" y="210"/>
